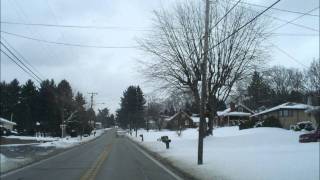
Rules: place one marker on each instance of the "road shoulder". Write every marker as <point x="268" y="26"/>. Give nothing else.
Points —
<point x="165" y="162"/>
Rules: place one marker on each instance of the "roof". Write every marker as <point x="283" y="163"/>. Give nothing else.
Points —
<point x="196" y="119"/>
<point x="5" y="121"/>
<point x="227" y="112"/>
<point x="287" y="105"/>
<point x="235" y="113"/>
<point x="175" y="115"/>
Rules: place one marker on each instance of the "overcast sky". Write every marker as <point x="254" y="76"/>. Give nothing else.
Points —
<point x="110" y="71"/>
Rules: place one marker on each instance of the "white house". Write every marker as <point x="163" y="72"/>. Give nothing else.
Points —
<point x="7" y="124"/>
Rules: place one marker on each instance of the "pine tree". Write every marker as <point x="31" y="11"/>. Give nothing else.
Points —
<point x="131" y="112"/>
<point x="27" y="110"/>
<point x="258" y="91"/>
<point x="65" y="100"/>
<point x="49" y="115"/>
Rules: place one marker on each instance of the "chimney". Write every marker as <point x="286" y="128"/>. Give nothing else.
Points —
<point x="232" y="106"/>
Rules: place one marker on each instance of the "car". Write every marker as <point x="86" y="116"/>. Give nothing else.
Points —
<point x="310" y="137"/>
<point x="120" y="133"/>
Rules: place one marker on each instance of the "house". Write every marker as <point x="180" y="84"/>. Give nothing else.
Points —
<point x="98" y="125"/>
<point x="7" y="124"/>
<point x="151" y="124"/>
<point x="180" y="120"/>
<point x="289" y="113"/>
<point x="233" y="115"/>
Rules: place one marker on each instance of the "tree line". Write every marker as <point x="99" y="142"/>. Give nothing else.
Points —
<point x="277" y="85"/>
<point x="45" y="108"/>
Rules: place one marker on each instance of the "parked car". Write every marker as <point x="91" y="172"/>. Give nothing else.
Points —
<point x="310" y="137"/>
<point x="4" y="131"/>
<point x="120" y="133"/>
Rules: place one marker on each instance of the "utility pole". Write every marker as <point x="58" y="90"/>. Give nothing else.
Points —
<point x="204" y="86"/>
<point x="91" y="105"/>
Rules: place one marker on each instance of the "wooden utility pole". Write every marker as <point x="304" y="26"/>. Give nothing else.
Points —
<point x="91" y="105"/>
<point x="204" y="86"/>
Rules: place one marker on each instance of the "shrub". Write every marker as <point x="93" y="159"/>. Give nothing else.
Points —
<point x="271" y="122"/>
<point x="247" y="124"/>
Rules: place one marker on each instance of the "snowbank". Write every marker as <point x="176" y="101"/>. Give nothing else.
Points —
<point x="259" y="153"/>
<point x="70" y="142"/>
<point x="7" y="164"/>
<point x="33" y="138"/>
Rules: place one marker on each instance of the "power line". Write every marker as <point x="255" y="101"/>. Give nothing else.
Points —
<point x="295" y="24"/>
<point x="225" y="15"/>
<point x="287" y="54"/>
<point x="78" y="26"/>
<point x="282" y="20"/>
<point x="293" y="34"/>
<point x="24" y="17"/>
<point x="245" y="24"/>
<point x="304" y="14"/>
<point x="24" y="59"/>
<point x="278" y="9"/>
<point x="24" y="65"/>
<point x="20" y="66"/>
<point x="69" y="44"/>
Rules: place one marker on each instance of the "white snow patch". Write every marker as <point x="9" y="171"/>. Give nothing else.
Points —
<point x="259" y="153"/>
<point x="70" y="142"/>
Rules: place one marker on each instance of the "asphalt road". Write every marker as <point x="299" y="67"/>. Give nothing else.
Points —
<point x="106" y="157"/>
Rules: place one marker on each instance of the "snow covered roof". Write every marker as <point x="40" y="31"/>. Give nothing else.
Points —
<point x="235" y="113"/>
<point x="196" y="119"/>
<point x="5" y="121"/>
<point x="175" y="115"/>
<point x="287" y="105"/>
<point x="227" y="112"/>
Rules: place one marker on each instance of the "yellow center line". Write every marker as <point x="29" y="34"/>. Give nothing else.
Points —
<point x="92" y="172"/>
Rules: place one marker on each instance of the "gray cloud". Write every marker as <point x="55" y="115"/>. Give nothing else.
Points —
<point x="110" y="71"/>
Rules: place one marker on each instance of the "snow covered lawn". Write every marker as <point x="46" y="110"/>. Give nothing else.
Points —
<point x="251" y="154"/>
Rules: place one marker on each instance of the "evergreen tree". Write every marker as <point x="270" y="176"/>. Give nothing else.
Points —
<point x="65" y="100"/>
<point x="258" y="91"/>
<point x="27" y="109"/>
<point x="49" y="114"/>
<point x="131" y="112"/>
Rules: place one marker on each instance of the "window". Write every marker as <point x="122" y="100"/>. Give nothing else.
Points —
<point x="285" y="113"/>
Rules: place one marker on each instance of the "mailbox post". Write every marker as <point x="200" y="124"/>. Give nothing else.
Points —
<point x="166" y="140"/>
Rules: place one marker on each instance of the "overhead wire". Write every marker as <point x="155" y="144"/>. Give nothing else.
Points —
<point x="278" y="9"/>
<point x="250" y="21"/>
<point x="294" y="19"/>
<point x="20" y="66"/>
<point x="287" y="54"/>
<point x="22" y="57"/>
<point x="23" y="64"/>
<point x="126" y="28"/>
<point x="69" y="44"/>
<point x="24" y="17"/>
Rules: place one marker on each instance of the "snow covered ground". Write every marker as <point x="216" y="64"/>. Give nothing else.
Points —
<point x="251" y="154"/>
<point x="13" y="160"/>
<point x="70" y="142"/>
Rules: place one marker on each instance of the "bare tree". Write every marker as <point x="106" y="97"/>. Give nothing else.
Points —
<point x="176" y="47"/>
<point x="313" y="76"/>
<point x="285" y="80"/>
